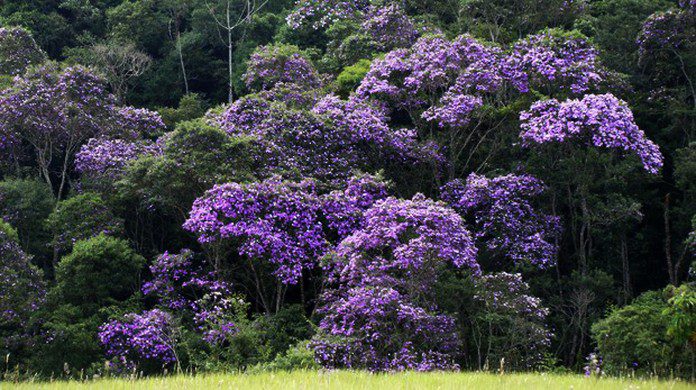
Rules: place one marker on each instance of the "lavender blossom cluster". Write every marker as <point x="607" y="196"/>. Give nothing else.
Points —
<point x="603" y="121"/>
<point x="504" y="218"/>
<point x="18" y="51"/>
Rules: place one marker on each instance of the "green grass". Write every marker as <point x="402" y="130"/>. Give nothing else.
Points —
<point x="363" y="380"/>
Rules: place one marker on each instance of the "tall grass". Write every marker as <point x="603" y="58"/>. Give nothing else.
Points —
<point x="362" y="380"/>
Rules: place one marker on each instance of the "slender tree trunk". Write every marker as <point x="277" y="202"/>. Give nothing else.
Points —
<point x="229" y="55"/>
<point x="668" y="243"/>
<point x="179" y="50"/>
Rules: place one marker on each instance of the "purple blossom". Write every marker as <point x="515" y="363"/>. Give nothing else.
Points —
<point x="105" y="158"/>
<point x="138" y="338"/>
<point x="18" y="51"/>
<point x="598" y="120"/>
<point x="273" y="64"/>
<point x="322" y="13"/>
<point x="503" y="217"/>
<point x="551" y="58"/>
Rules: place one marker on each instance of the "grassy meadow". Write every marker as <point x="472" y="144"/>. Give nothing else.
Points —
<point x="363" y="380"/>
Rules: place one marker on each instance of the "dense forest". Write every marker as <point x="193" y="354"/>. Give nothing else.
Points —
<point x="212" y="185"/>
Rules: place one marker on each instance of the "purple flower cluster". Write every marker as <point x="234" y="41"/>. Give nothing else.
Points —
<point x="344" y="209"/>
<point x="276" y="221"/>
<point x="21" y="293"/>
<point x="551" y="58"/>
<point x="390" y="27"/>
<point x="328" y="143"/>
<point x="322" y="13"/>
<point x="599" y="120"/>
<point x="106" y="158"/>
<point x="504" y="218"/>
<point x="182" y="287"/>
<point x="137" y="338"/>
<point x="137" y="123"/>
<point x="273" y="64"/>
<point x="18" y="51"/>
<point x="380" y="314"/>
<point x="465" y="69"/>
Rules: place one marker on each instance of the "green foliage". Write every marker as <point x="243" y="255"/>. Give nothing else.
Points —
<point x="98" y="272"/>
<point x="25" y="203"/>
<point x="81" y="217"/>
<point x="191" y="106"/>
<point x="635" y="337"/>
<point x="351" y="76"/>
<point x="196" y="156"/>
<point x="682" y="314"/>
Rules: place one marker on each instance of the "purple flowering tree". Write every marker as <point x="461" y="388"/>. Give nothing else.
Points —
<point x="282" y="225"/>
<point x="667" y="52"/>
<point x="504" y="220"/>
<point x="148" y="338"/>
<point x="318" y="14"/>
<point x="379" y="313"/>
<point x="274" y="64"/>
<point x="553" y="60"/>
<point x="22" y="292"/>
<point x="389" y="26"/>
<point x="602" y="121"/>
<point x="18" y="51"/>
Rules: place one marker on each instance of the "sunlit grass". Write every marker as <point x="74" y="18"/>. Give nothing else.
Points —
<point x="363" y="380"/>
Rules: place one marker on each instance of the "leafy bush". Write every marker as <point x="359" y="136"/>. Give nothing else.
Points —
<point x="635" y="337"/>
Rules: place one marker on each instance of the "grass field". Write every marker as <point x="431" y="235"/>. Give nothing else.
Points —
<point x="363" y="380"/>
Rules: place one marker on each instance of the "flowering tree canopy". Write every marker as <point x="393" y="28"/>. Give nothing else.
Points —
<point x="565" y="60"/>
<point x="274" y="64"/>
<point x="140" y="338"/>
<point x="22" y="291"/>
<point x="18" y="51"/>
<point x="380" y="315"/>
<point x="504" y="219"/>
<point x="321" y="13"/>
<point x="599" y="120"/>
<point x="328" y="143"/>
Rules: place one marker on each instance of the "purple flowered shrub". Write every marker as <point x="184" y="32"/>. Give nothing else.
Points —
<point x="22" y="292"/>
<point x="328" y="143"/>
<point x="104" y="159"/>
<point x="274" y="221"/>
<point x="512" y="320"/>
<point x="672" y="30"/>
<point x="319" y="14"/>
<point x="554" y="58"/>
<point x="379" y="313"/>
<point x="138" y="123"/>
<point x="273" y="64"/>
<point x="18" y="51"/>
<point x="503" y="216"/>
<point x="389" y="26"/>
<point x="603" y="121"/>
<point x="186" y="289"/>
<point x="148" y="338"/>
